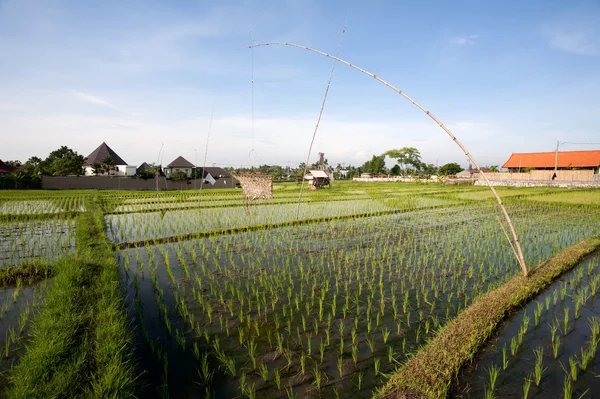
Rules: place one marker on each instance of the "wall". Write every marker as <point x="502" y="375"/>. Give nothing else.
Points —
<point x="126" y="183"/>
<point x="561" y="175"/>
<point x="540" y="183"/>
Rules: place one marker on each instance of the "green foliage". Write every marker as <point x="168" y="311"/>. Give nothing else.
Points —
<point x="147" y="174"/>
<point x="406" y="157"/>
<point x="375" y="165"/>
<point x="63" y="162"/>
<point x="97" y="169"/>
<point x="178" y="175"/>
<point x="450" y="169"/>
<point x="80" y="345"/>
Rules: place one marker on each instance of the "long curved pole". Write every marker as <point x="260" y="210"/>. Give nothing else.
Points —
<point x="517" y="246"/>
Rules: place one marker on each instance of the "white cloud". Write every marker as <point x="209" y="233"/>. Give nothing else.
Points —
<point x="464" y="40"/>
<point x="575" y="41"/>
<point x="88" y="98"/>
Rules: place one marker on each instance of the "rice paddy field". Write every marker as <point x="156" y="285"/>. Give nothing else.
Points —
<point x="222" y="299"/>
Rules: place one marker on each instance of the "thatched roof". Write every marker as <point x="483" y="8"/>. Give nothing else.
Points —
<point x="144" y="167"/>
<point x="180" y="162"/>
<point x="100" y="153"/>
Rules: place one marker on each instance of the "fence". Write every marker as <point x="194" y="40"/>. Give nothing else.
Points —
<point x="256" y="186"/>
<point x="128" y="183"/>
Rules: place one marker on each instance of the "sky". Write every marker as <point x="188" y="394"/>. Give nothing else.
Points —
<point x="505" y="76"/>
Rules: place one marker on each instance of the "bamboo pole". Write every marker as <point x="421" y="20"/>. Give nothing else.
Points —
<point x="518" y="252"/>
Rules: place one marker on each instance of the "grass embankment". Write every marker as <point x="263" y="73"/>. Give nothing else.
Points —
<point x="80" y="344"/>
<point x="430" y="373"/>
<point x="27" y="274"/>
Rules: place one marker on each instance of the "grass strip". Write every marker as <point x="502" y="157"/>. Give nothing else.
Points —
<point x="28" y="217"/>
<point x="80" y="344"/>
<point x="430" y="373"/>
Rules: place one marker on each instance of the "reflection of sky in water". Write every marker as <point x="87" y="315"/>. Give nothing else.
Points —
<point x="134" y="227"/>
<point x="22" y="242"/>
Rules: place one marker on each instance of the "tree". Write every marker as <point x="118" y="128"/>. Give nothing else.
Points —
<point x="395" y="171"/>
<point x="97" y="169"/>
<point x="33" y="166"/>
<point x="406" y="156"/>
<point x="450" y="169"/>
<point x="179" y="175"/>
<point x="63" y="162"/>
<point x="14" y="163"/>
<point x="108" y="164"/>
<point x="375" y="165"/>
<point x="494" y="169"/>
<point x="428" y="169"/>
<point x="147" y="174"/>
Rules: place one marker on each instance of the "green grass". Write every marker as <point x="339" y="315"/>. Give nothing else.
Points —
<point x="80" y="345"/>
<point x="431" y="372"/>
<point x="28" y="273"/>
<point x="585" y="197"/>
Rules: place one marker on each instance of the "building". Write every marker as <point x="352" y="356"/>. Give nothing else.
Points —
<point x="118" y="168"/>
<point x="471" y="173"/>
<point x="180" y="164"/>
<point x="145" y="167"/>
<point x="218" y="177"/>
<point x="317" y="178"/>
<point x="562" y="160"/>
<point x="6" y="169"/>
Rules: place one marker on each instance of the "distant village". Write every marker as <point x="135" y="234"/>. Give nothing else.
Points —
<point x="180" y="173"/>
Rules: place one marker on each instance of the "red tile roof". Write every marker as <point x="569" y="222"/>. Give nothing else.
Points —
<point x="566" y="159"/>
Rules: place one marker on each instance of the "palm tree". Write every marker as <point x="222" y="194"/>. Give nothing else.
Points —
<point x="108" y="163"/>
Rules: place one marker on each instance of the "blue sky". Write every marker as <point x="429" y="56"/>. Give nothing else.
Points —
<point x="509" y="76"/>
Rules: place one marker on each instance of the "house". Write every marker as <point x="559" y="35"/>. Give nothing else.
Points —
<point x="118" y="168"/>
<point x="471" y="173"/>
<point x="218" y="177"/>
<point x="6" y="169"/>
<point x="562" y="160"/>
<point x="145" y="167"/>
<point x="180" y="164"/>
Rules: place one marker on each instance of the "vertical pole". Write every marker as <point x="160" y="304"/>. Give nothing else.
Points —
<point x="556" y="159"/>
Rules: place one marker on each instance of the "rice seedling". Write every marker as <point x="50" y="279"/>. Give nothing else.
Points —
<point x="539" y="366"/>
<point x="527" y="386"/>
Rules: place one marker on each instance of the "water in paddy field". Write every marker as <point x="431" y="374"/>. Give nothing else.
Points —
<point x="32" y="241"/>
<point x="16" y="310"/>
<point x="429" y="263"/>
<point x="571" y="343"/>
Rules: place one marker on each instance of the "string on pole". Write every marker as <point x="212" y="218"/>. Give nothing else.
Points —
<point x="319" y="120"/>
<point x="206" y="148"/>
<point x="252" y="150"/>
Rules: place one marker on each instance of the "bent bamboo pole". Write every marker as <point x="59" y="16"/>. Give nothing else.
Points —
<point x="516" y="246"/>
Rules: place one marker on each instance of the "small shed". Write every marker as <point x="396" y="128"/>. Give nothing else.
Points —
<point x="318" y="179"/>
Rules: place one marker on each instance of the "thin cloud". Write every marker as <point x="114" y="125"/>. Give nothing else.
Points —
<point x="574" y="41"/>
<point x="90" y="99"/>
<point x="464" y="40"/>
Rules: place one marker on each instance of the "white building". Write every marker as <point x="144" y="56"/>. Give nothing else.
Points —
<point x="180" y="164"/>
<point x="95" y="163"/>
